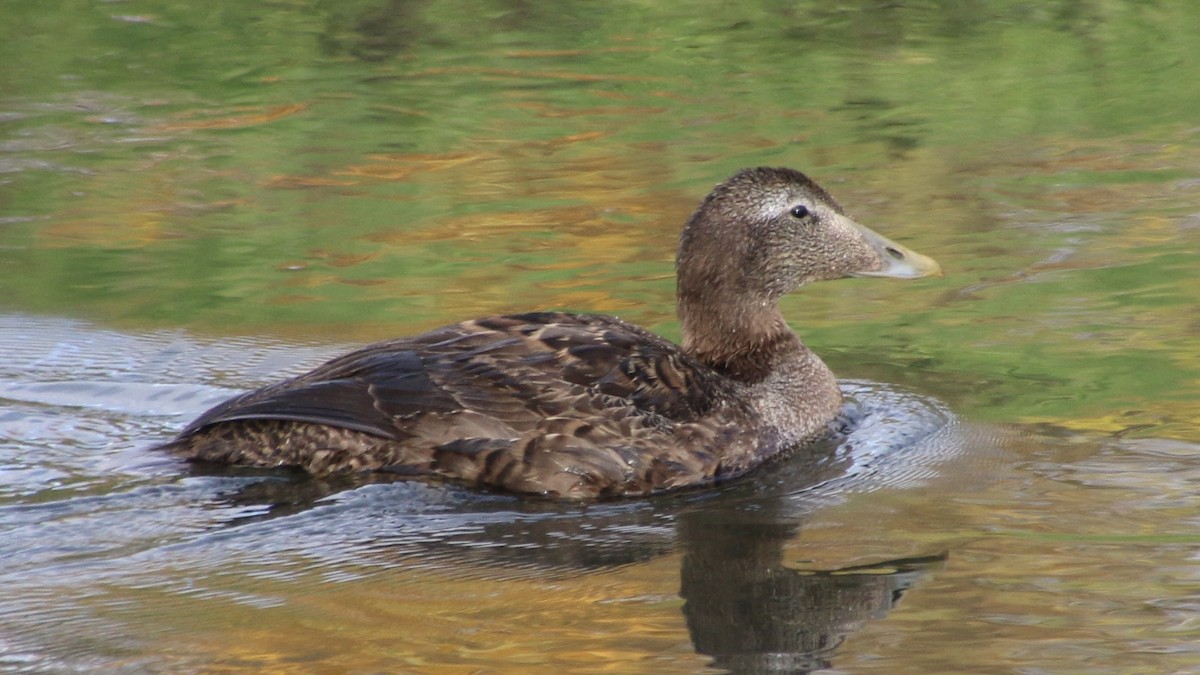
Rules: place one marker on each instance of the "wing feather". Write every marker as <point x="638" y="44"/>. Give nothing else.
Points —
<point x="513" y="370"/>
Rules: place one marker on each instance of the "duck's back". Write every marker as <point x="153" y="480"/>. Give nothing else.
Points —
<point x="559" y="404"/>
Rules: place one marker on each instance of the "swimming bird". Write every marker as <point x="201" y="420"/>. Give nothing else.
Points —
<point x="586" y="406"/>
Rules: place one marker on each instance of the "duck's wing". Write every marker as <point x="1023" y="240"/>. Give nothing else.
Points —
<point x="490" y="378"/>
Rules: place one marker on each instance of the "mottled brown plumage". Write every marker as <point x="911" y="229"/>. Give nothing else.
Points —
<point x="587" y="406"/>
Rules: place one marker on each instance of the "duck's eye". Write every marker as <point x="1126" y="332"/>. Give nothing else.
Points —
<point x="799" y="211"/>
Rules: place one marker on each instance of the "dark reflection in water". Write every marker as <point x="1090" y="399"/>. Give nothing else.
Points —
<point x="753" y="614"/>
<point x="743" y="605"/>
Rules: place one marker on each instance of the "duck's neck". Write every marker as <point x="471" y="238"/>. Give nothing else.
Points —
<point x="788" y="384"/>
<point x="744" y="341"/>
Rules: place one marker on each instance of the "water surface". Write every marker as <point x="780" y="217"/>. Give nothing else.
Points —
<point x="196" y="200"/>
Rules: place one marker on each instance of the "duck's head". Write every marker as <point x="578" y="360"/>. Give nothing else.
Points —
<point x="760" y="236"/>
<point x="765" y="232"/>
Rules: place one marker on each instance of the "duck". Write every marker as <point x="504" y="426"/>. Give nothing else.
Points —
<point x="585" y="407"/>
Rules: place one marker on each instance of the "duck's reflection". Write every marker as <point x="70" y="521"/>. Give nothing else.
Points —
<point x="753" y="614"/>
<point x="743" y="605"/>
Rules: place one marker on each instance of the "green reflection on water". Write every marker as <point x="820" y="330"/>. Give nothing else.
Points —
<point x="365" y="169"/>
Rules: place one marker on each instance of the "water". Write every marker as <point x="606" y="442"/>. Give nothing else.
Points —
<point x="199" y="200"/>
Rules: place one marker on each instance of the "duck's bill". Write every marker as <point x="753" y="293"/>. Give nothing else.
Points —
<point x="898" y="262"/>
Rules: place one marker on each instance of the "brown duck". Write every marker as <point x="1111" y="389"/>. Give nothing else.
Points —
<point x="574" y="406"/>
